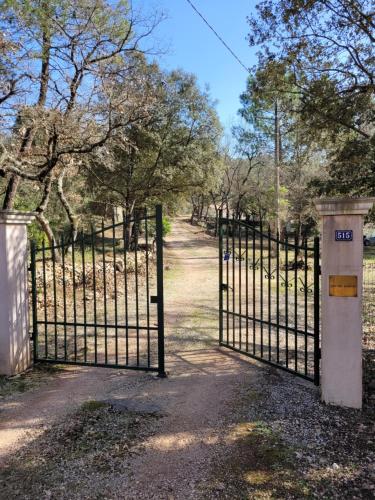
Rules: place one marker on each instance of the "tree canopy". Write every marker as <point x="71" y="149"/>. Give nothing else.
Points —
<point x="324" y="50"/>
<point x="315" y="66"/>
<point x="81" y="98"/>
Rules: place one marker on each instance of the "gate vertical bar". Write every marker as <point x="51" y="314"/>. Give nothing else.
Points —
<point x="125" y="223"/>
<point x="316" y="311"/>
<point x="84" y="299"/>
<point x="93" y="249"/>
<point x="286" y="302"/>
<point x="160" y="289"/>
<point x="220" y="278"/>
<point x="254" y="306"/>
<point x="305" y="306"/>
<point x="247" y="287"/>
<point x="104" y="297"/>
<point x="239" y="285"/>
<point x="64" y="296"/>
<point x="269" y="294"/>
<point x="227" y="277"/>
<point x="296" y="250"/>
<point x="278" y="297"/>
<point x="74" y="299"/>
<point x="45" y="301"/>
<point x="261" y="290"/>
<point x="147" y="290"/>
<point x="234" y="227"/>
<point x="136" y="272"/>
<point x="53" y="250"/>
<point x="115" y="285"/>
<point x="34" y="301"/>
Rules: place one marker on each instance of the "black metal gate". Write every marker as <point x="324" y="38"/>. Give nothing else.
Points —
<point x="99" y="300"/>
<point x="269" y="297"/>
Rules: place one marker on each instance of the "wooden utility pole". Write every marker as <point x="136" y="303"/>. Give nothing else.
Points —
<point x="277" y="167"/>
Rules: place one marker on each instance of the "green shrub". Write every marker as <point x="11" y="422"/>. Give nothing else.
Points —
<point x="26" y="202"/>
<point x="36" y="233"/>
<point x="167" y="226"/>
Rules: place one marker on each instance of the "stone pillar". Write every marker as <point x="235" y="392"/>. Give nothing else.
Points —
<point x="14" y="305"/>
<point x="341" y="315"/>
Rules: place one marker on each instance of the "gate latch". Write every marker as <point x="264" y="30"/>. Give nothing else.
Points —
<point x="224" y="287"/>
<point x="154" y="299"/>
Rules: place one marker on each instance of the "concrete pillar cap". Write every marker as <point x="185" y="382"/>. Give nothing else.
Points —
<point x="16" y="217"/>
<point x="344" y="206"/>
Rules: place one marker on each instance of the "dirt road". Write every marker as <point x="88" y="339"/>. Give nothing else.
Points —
<point x="203" y="379"/>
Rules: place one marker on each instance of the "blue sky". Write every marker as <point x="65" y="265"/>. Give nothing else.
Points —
<point x="193" y="47"/>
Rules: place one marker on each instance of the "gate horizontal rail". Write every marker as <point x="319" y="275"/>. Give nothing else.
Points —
<point x="244" y="224"/>
<point x="265" y="322"/>
<point x="98" y="325"/>
<point x="266" y="361"/>
<point x="97" y="364"/>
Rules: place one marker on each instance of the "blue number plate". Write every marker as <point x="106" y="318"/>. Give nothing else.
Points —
<point x="344" y="235"/>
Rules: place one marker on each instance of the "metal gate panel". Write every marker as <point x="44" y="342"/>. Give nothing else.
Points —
<point x="269" y="297"/>
<point x="98" y="301"/>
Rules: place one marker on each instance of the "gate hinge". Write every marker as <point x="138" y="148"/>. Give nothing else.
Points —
<point x="154" y="299"/>
<point x="224" y="287"/>
<point x="319" y="353"/>
<point x="320" y="270"/>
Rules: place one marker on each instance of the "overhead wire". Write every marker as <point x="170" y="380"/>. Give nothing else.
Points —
<point x="218" y="36"/>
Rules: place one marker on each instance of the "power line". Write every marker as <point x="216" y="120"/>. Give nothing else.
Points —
<point x="277" y="129"/>
<point x="218" y="36"/>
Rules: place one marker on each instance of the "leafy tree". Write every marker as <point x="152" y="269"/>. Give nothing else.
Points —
<point x="299" y="152"/>
<point x="352" y="171"/>
<point x="170" y="155"/>
<point x="70" y="56"/>
<point x="328" y="45"/>
<point x="324" y="49"/>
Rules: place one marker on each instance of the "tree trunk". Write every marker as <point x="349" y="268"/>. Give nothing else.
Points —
<point x="51" y="237"/>
<point x="193" y="211"/>
<point x="42" y="219"/>
<point x="71" y="216"/>
<point x="201" y="207"/>
<point x="298" y="236"/>
<point x="129" y="224"/>
<point x="11" y="192"/>
<point x="28" y="137"/>
<point x="216" y="221"/>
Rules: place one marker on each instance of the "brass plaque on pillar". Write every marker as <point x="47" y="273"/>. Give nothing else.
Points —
<point x="343" y="286"/>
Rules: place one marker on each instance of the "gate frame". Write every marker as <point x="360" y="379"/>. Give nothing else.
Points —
<point x="158" y="299"/>
<point x="316" y="294"/>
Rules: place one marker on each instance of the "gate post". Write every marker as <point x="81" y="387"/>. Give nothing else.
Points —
<point x="14" y="305"/>
<point x="342" y="273"/>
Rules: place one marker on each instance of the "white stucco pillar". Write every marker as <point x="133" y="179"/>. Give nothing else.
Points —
<point x="14" y="305"/>
<point x="341" y="302"/>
